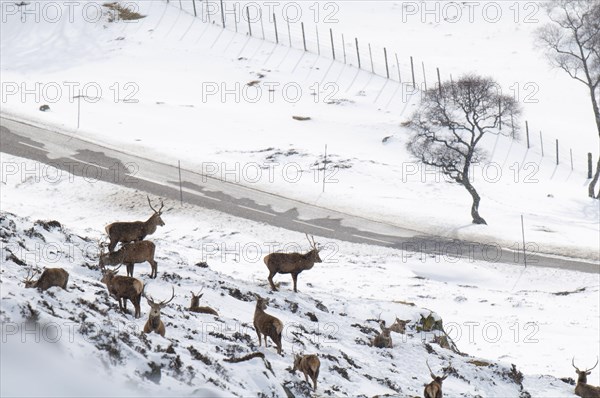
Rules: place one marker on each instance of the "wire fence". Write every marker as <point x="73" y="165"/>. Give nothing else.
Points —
<point x="254" y="21"/>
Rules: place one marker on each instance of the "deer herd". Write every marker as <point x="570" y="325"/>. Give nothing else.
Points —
<point x="135" y="250"/>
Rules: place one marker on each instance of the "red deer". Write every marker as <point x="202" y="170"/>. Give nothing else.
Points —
<point x="292" y="263"/>
<point x="383" y="339"/>
<point x="154" y="323"/>
<point x="49" y="278"/>
<point x="434" y="389"/>
<point x="266" y="324"/>
<point x="130" y="254"/>
<point x="309" y="365"/>
<point x="582" y="389"/>
<point x="123" y="288"/>
<point x="195" y="305"/>
<point x="126" y="232"/>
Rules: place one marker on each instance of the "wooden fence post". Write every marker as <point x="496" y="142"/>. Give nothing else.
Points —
<point x="439" y="80"/>
<point x="357" y="52"/>
<point x="318" y="42"/>
<point x="527" y="132"/>
<point x="424" y="77"/>
<point x="344" y="47"/>
<point x="557" y="151"/>
<point x="371" y="57"/>
<point x="571" y="151"/>
<point x="387" y="68"/>
<point x="589" y="165"/>
<point x="398" y="66"/>
<point x="222" y="14"/>
<point x="289" y="32"/>
<point x="194" y="4"/>
<point x="249" y="24"/>
<point x="412" y="70"/>
<point x="275" y="25"/>
<point x="542" y="143"/>
<point x="303" y="35"/>
<point x="332" y="45"/>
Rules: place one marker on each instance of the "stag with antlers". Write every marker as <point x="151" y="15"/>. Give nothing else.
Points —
<point x="583" y="389"/>
<point x="195" y="305"/>
<point x="126" y="232"/>
<point x="292" y="263"/>
<point x="49" y="278"/>
<point x="154" y="323"/>
<point x="434" y="389"/>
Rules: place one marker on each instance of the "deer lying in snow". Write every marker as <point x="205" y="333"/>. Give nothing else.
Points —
<point x="383" y="339"/>
<point x="195" y="305"/>
<point x="266" y="324"/>
<point x="49" y="278"/>
<point x="292" y="263"/>
<point x="309" y="365"/>
<point x="126" y="232"/>
<point x="582" y="389"/>
<point x="130" y="254"/>
<point x="154" y="323"/>
<point x="434" y="389"/>
<point x="123" y="288"/>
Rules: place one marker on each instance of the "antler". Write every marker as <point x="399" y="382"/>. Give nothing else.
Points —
<point x="430" y="371"/>
<point x="161" y="206"/>
<point x="587" y="370"/>
<point x="163" y="303"/>
<point x="573" y="363"/>
<point x="150" y="204"/>
<point x="30" y="275"/>
<point x="312" y="244"/>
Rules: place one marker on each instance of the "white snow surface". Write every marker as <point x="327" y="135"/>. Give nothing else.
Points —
<point x="498" y="314"/>
<point x="174" y="87"/>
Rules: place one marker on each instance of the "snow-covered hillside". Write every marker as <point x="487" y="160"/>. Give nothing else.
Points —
<point x="334" y="314"/>
<point x="222" y="103"/>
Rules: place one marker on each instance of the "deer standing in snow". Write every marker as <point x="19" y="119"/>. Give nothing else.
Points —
<point x="292" y="263"/>
<point x="126" y="232"/>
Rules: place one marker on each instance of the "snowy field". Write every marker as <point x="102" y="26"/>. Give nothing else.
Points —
<point x="222" y="104"/>
<point x="500" y="315"/>
<point x="177" y="88"/>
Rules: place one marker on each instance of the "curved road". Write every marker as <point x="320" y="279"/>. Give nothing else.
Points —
<point x="84" y="158"/>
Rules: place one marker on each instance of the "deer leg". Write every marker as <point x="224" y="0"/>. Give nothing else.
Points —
<point x="154" y="271"/>
<point x="271" y="275"/>
<point x="266" y="341"/>
<point x="112" y="245"/>
<point x="129" y="269"/>
<point x="295" y="279"/>
<point x="259" y="338"/>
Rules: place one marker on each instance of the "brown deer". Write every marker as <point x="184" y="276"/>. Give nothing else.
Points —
<point x="266" y="324"/>
<point x="383" y="339"/>
<point x="49" y="278"/>
<point x="292" y="263"/>
<point x="123" y="288"/>
<point x="434" y="389"/>
<point x="195" y="305"/>
<point x="126" y="232"/>
<point x="309" y="365"/>
<point x="154" y="323"/>
<point x="130" y="254"/>
<point x="582" y="389"/>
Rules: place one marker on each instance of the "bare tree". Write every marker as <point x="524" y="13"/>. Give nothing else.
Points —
<point x="451" y="121"/>
<point x="572" y="43"/>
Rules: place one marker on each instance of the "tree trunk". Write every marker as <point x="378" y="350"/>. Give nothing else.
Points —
<point x="477" y="219"/>
<point x="591" y="187"/>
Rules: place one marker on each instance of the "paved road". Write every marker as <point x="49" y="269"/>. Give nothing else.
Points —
<point x="84" y="158"/>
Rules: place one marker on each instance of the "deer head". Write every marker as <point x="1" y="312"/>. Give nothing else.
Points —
<point x="583" y="373"/>
<point x="196" y="298"/>
<point x="156" y="219"/>
<point x="156" y="307"/>
<point x="438" y="379"/>
<point x="28" y="281"/>
<point x="314" y="250"/>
